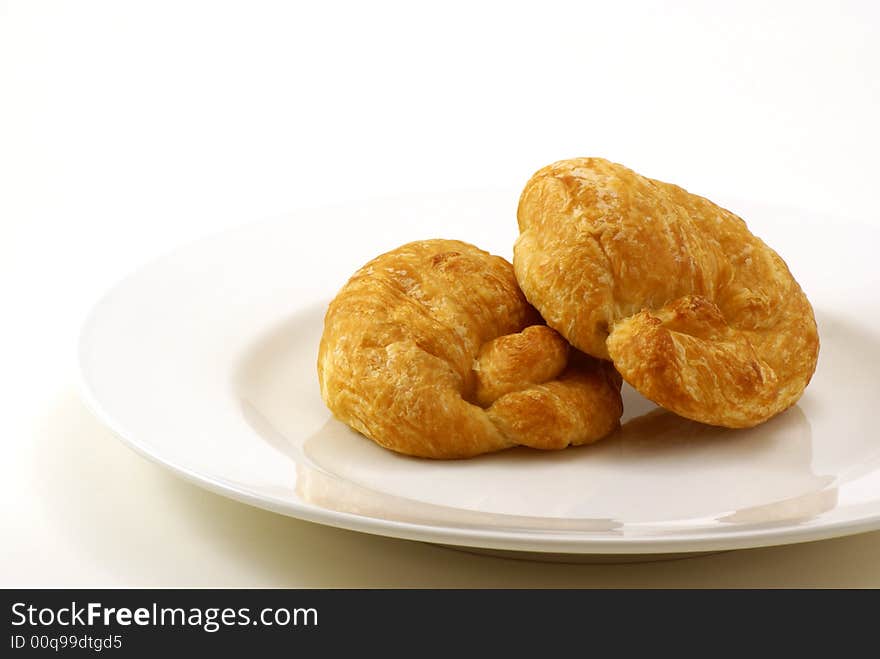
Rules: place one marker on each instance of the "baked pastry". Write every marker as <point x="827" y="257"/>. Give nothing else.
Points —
<point x="432" y="350"/>
<point x="696" y="313"/>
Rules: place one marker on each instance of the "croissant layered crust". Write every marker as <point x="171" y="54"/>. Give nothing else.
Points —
<point x="432" y="350"/>
<point x="696" y="313"/>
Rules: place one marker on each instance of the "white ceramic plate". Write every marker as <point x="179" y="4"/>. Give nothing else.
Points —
<point x="204" y="361"/>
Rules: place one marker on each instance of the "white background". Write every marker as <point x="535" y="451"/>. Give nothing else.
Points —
<point x="127" y="128"/>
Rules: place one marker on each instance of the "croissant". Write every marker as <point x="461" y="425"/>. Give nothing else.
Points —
<point x="432" y="350"/>
<point x="696" y="313"/>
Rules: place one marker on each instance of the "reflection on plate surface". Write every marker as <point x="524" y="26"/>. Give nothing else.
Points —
<point x="657" y="469"/>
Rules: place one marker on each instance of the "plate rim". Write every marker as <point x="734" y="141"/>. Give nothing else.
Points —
<point x="574" y="542"/>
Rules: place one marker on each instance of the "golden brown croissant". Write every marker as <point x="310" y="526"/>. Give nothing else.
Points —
<point x="432" y="350"/>
<point x="696" y="313"/>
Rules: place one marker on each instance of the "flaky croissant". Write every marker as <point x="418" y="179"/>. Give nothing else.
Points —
<point x="432" y="350"/>
<point x="696" y="313"/>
